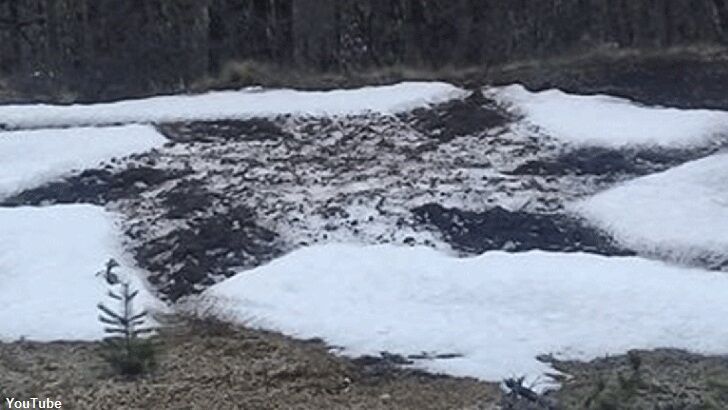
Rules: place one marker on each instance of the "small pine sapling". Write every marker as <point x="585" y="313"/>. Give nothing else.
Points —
<point x="125" y="349"/>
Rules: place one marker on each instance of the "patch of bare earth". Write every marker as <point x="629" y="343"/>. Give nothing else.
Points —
<point x="658" y="379"/>
<point x="213" y="366"/>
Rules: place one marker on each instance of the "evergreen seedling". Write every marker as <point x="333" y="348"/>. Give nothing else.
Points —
<point x="124" y="347"/>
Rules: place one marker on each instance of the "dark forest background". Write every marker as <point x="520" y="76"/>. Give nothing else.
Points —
<point x="101" y="49"/>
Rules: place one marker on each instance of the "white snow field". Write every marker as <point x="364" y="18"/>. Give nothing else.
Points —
<point x="234" y="105"/>
<point x="48" y="260"/>
<point x="601" y="120"/>
<point x="499" y="310"/>
<point x="680" y="214"/>
<point x="31" y="158"/>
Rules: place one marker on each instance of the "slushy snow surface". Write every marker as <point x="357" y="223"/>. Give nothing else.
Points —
<point x="234" y="105"/>
<point x="31" y="158"/>
<point x="48" y="260"/>
<point x="601" y="120"/>
<point x="681" y="213"/>
<point x="498" y="310"/>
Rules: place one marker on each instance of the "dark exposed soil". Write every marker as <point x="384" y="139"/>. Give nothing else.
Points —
<point x="95" y="186"/>
<point x="227" y="195"/>
<point x="581" y="161"/>
<point x="610" y="162"/>
<point x="207" y="248"/>
<point x="458" y="118"/>
<point x="230" y="195"/>
<point x="260" y="129"/>
<point x="186" y="198"/>
<point x="207" y="245"/>
<point x="501" y="229"/>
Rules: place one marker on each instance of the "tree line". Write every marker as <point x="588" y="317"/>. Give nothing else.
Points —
<point x="107" y="48"/>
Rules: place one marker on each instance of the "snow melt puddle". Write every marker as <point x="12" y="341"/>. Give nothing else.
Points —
<point x="601" y="120"/>
<point x="679" y="215"/>
<point x="31" y="158"/>
<point x="241" y="104"/>
<point x="498" y="310"/>
<point x="48" y="260"/>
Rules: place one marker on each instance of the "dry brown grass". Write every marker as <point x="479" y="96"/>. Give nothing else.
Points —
<point x="609" y="53"/>
<point x="240" y="74"/>
<point x="212" y="365"/>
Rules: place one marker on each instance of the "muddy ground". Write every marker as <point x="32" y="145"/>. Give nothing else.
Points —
<point x="229" y="195"/>
<point x="516" y="231"/>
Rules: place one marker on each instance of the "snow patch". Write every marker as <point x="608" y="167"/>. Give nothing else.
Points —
<point x="680" y="214"/>
<point x="234" y="105"/>
<point x="48" y="260"/>
<point x="601" y="120"/>
<point x="31" y="158"/>
<point x="498" y="310"/>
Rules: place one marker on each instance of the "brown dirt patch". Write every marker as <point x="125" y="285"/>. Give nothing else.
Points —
<point x="213" y="366"/>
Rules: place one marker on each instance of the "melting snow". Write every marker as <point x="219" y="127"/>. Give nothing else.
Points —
<point x="680" y="214"/>
<point x="48" y="260"/>
<point x="498" y="310"/>
<point x="234" y="105"/>
<point x="601" y="120"/>
<point x="31" y="158"/>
